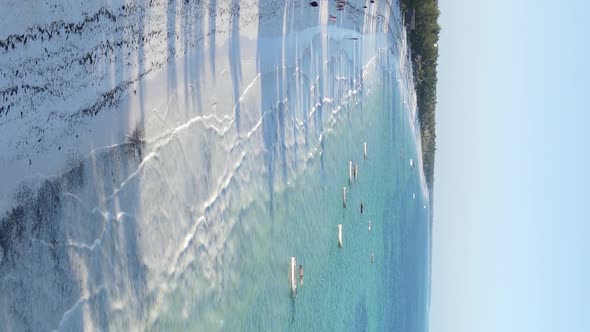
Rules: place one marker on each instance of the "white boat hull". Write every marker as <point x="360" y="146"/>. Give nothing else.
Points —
<point x="293" y="277"/>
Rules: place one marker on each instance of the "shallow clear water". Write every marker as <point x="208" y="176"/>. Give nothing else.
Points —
<point x="342" y="289"/>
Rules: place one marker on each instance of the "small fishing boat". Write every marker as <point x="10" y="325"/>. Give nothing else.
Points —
<point x="293" y="276"/>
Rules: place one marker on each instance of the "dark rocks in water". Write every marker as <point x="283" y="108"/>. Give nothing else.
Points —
<point x="314" y="4"/>
<point x="34" y="217"/>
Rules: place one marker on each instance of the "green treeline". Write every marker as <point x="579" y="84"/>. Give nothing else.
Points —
<point x="423" y="33"/>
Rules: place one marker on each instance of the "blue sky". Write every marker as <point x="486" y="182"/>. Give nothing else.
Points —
<point x="511" y="237"/>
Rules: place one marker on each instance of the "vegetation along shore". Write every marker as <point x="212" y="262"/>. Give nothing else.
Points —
<point x="421" y="18"/>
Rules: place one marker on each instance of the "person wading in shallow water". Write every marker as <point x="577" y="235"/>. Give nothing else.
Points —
<point x="362" y="207"/>
<point x="301" y="273"/>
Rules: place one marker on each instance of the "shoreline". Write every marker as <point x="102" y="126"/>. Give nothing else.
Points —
<point x="421" y="22"/>
<point x="410" y="102"/>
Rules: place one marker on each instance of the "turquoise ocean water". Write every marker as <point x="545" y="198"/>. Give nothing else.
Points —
<point x="343" y="291"/>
